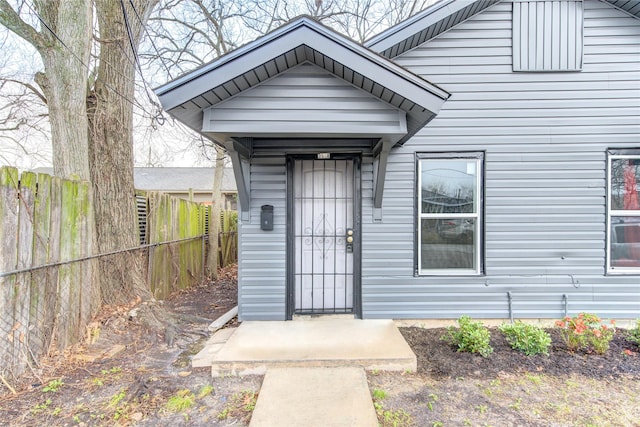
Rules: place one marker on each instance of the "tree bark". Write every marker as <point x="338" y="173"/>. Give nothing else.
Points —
<point x="110" y="108"/>
<point x="63" y="84"/>
<point x="64" y="46"/>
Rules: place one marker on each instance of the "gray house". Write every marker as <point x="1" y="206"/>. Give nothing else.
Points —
<point x="479" y="156"/>
<point x="186" y="183"/>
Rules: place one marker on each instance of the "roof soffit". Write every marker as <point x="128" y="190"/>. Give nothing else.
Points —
<point x="425" y="25"/>
<point x="632" y="7"/>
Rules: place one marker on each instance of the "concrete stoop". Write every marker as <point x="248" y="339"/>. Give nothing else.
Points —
<point x="254" y="347"/>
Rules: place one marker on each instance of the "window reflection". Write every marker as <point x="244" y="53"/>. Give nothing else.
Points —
<point x="625" y="241"/>
<point x="625" y="179"/>
<point x="448" y="186"/>
<point x="448" y="243"/>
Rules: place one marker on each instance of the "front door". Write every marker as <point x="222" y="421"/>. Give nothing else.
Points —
<point x="324" y="228"/>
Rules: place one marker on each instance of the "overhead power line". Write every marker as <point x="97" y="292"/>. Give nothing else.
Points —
<point x="158" y="117"/>
<point x="144" y="27"/>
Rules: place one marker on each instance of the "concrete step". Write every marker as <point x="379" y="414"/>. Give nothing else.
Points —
<point x="257" y="346"/>
<point x="205" y="357"/>
<point x="294" y="397"/>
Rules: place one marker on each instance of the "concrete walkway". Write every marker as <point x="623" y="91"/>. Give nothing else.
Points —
<point x="328" y="397"/>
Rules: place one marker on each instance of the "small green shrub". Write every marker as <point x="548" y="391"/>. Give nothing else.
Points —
<point x="472" y="337"/>
<point x="529" y="339"/>
<point x="53" y="386"/>
<point x="379" y="394"/>
<point x="205" y="391"/>
<point x="182" y="401"/>
<point x="635" y="333"/>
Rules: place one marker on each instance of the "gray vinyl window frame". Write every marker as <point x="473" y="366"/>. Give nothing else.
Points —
<point x="480" y="157"/>
<point x="614" y="154"/>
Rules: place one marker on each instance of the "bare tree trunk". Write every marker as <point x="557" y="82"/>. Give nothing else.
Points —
<point x="63" y="84"/>
<point x="110" y="108"/>
<point x="216" y="210"/>
<point x="64" y="46"/>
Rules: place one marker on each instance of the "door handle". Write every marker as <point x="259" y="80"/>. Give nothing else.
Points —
<point x="349" y="246"/>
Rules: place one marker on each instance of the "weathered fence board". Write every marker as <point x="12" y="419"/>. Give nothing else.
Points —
<point x="21" y="290"/>
<point x="66" y="271"/>
<point x="41" y="309"/>
<point x="9" y="215"/>
<point x="88" y="289"/>
<point x="228" y="239"/>
<point x="178" y="265"/>
<point x="52" y="298"/>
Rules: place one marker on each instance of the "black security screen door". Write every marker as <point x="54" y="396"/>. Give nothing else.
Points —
<point x="323" y="236"/>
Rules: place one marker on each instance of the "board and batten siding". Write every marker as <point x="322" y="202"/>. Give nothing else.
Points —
<point x="538" y="46"/>
<point x="262" y="255"/>
<point x="305" y="99"/>
<point x="545" y="137"/>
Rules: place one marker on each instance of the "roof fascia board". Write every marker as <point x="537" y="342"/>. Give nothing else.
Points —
<point x="317" y="37"/>
<point x="253" y="45"/>
<point x="415" y="24"/>
<point x="427" y="95"/>
<point x="191" y="86"/>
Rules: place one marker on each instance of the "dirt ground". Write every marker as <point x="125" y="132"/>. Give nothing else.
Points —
<point x="140" y="380"/>
<point x="147" y="383"/>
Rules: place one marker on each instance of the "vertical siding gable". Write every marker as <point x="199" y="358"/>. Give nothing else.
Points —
<point x="547" y="35"/>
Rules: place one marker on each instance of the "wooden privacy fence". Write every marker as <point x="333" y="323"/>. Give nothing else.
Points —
<point x="47" y="290"/>
<point x="176" y="266"/>
<point x="44" y="221"/>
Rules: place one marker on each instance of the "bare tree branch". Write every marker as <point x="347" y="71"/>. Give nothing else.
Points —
<point x="29" y="86"/>
<point x="11" y="20"/>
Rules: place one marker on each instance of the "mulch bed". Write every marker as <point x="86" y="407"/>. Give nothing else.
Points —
<point x="438" y="359"/>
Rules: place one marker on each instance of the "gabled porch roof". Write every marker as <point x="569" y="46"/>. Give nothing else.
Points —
<point x="298" y="42"/>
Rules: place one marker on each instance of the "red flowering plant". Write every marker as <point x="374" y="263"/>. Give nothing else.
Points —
<point x="586" y="331"/>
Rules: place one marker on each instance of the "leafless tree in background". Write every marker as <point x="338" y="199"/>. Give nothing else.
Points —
<point x="90" y="109"/>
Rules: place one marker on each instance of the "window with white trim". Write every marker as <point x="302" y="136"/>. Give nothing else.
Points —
<point x="623" y="212"/>
<point x="449" y="213"/>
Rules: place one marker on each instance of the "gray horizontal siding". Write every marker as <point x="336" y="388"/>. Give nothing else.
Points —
<point x="262" y="254"/>
<point x="545" y="137"/>
<point x="306" y="100"/>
